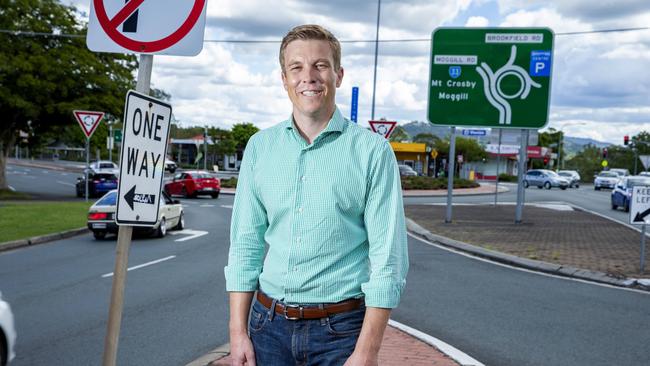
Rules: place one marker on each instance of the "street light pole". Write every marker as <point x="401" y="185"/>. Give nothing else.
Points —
<point x="374" y="79"/>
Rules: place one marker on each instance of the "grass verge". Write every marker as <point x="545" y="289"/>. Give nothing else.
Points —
<point x="27" y="219"/>
<point x="7" y="194"/>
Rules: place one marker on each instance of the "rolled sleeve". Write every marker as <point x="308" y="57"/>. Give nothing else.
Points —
<point x="386" y="228"/>
<point x="247" y="228"/>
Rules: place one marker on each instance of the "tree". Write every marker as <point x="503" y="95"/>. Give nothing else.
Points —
<point x="44" y="78"/>
<point x="241" y="133"/>
<point x="587" y="162"/>
<point x="399" y="134"/>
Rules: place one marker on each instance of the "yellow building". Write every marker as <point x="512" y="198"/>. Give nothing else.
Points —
<point x="416" y="155"/>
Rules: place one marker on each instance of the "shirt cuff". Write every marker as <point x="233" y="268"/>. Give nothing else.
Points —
<point x="384" y="294"/>
<point x="241" y="279"/>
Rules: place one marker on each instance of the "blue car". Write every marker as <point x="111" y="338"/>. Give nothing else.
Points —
<point x="98" y="184"/>
<point x="622" y="192"/>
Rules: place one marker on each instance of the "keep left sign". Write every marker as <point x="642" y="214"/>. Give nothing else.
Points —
<point x="142" y="161"/>
<point x="165" y="27"/>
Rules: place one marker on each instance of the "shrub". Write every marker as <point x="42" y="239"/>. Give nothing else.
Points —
<point x="429" y="183"/>
<point x="229" y="182"/>
<point x="503" y="177"/>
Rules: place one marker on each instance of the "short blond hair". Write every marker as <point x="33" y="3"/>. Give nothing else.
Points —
<point x="316" y="32"/>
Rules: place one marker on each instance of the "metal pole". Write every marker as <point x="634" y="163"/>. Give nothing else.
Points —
<point x="496" y="185"/>
<point x="450" y="172"/>
<point x="205" y="148"/>
<point x="642" y="262"/>
<point x="520" y="176"/>
<point x="559" y="152"/>
<point x="110" y="144"/>
<point x="87" y="166"/>
<point x="374" y="79"/>
<point x="123" y="245"/>
<point x="636" y="158"/>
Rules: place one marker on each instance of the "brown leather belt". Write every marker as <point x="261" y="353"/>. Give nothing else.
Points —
<point x="295" y="312"/>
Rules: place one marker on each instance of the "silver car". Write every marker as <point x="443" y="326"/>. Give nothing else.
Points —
<point x="606" y="179"/>
<point x="7" y="333"/>
<point x="543" y="178"/>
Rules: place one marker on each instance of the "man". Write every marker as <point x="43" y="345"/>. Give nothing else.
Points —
<point x="325" y="196"/>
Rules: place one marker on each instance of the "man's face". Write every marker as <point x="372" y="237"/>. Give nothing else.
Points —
<point x="310" y="79"/>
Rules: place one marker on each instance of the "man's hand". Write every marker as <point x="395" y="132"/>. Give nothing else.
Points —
<point x="241" y="350"/>
<point x="366" y="352"/>
<point x="241" y="347"/>
<point x="359" y="359"/>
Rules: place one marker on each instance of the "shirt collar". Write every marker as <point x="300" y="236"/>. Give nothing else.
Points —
<point x="336" y="123"/>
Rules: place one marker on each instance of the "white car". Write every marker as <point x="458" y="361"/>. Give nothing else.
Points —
<point x="7" y="333"/>
<point x="606" y="179"/>
<point x="572" y="176"/>
<point x="170" y="166"/>
<point x="105" y="166"/>
<point x="101" y="217"/>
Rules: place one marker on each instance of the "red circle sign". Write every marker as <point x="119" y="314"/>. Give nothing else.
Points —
<point x="110" y="26"/>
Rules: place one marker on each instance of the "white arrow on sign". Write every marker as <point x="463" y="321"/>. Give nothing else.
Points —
<point x="193" y="234"/>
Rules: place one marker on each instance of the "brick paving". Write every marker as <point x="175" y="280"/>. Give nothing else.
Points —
<point x="397" y="349"/>
<point x="573" y="238"/>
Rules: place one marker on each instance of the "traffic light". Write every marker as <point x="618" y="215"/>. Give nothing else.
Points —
<point x="604" y="153"/>
<point x="626" y="140"/>
<point x="545" y="160"/>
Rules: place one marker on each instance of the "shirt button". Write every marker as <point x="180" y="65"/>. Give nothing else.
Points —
<point x="300" y="209"/>
<point x="303" y="178"/>
<point x="298" y="240"/>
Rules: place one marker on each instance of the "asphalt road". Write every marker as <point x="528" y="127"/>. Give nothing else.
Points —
<point x="176" y="309"/>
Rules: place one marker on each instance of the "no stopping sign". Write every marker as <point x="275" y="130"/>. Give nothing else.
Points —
<point x="168" y="27"/>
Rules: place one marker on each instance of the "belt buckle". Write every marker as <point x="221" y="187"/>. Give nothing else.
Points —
<point x="286" y="315"/>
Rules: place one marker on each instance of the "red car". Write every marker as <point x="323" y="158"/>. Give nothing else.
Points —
<point x="193" y="183"/>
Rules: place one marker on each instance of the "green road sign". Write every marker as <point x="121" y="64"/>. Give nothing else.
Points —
<point x="117" y="135"/>
<point x="490" y="77"/>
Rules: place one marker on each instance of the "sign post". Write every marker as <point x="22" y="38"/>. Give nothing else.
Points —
<point x="450" y="173"/>
<point x="491" y="77"/>
<point x="88" y="120"/>
<point x="354" y="107"/>
<point x="154" y="27"/>
<point x="640" y="215"/>
<point x="496" y="181"/>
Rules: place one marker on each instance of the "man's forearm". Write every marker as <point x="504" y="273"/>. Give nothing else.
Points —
<point x="240" y="303"/>
<point x="372" y="331"/>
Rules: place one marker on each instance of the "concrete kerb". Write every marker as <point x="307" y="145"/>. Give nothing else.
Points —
<point x="42" y="239"/>
<point x="212" y="356"/>
<point x="534" y="265"/>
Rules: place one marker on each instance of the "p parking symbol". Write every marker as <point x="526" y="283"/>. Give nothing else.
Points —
<point x="540" y="63"/>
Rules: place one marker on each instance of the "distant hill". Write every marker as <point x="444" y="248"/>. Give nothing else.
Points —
<point x="573" y="145"/>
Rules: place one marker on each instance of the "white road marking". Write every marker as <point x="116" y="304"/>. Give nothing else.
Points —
<point x="143" y="265"/>
<point x="193" y="234"/>
<point x="64" y="174"/>
<point x="12" y="189"/>
<point x="468" y="255"/>
<point x="226" y="206"/>
<point x="65" y="183"/>
<point x="206" y="206"/>
<point x="459" y="356"/>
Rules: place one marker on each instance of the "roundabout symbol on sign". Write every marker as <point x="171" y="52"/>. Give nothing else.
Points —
<point x="110" y="26"/>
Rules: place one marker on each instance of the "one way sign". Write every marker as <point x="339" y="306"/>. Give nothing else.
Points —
<point x="142" y="161"/>
<point x="640" y="205"/>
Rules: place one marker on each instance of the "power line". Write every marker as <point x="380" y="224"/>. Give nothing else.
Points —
<point x="20" y="33"/>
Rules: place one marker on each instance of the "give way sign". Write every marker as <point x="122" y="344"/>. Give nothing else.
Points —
<point x="384" y="128"/>
<point x="165" y="27"/>
<point x="88" y="121"/>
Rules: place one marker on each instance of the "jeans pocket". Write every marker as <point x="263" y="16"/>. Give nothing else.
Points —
<point x="259" y="315"/>
<point x="345" y="324"/>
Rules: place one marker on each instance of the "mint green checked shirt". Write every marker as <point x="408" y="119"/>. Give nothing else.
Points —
<point x="331" y="214"/>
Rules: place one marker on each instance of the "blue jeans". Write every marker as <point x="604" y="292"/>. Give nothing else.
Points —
<point x="324" y="342"/>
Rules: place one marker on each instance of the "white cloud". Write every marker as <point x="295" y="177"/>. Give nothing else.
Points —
<point x="477" y="22"/>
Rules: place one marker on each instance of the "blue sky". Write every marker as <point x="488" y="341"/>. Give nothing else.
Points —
<point x="600" y="86"/>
